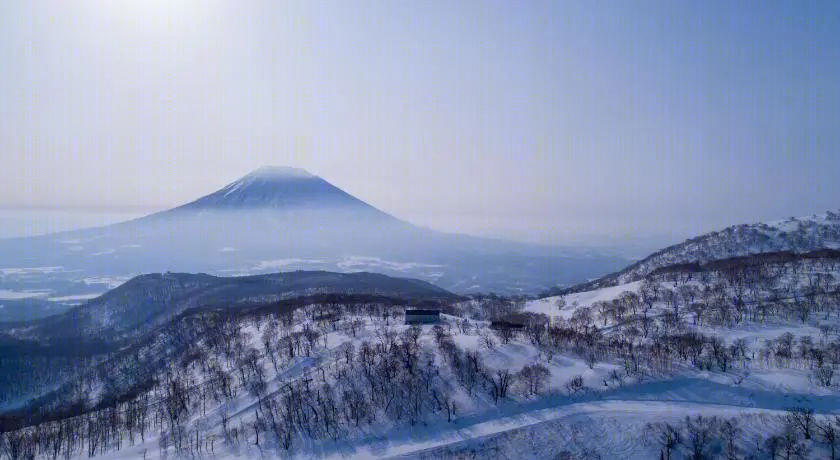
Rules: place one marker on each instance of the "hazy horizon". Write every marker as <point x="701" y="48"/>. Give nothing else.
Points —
<point x="33" y="221"/>
<point x="553" y="123"/>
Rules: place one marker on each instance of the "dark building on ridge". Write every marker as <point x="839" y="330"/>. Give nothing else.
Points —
<point x="418" y="316"/>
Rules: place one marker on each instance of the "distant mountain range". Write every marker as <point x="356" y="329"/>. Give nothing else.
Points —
<point x="795" y="235"/>
<point x="277" y="219"/>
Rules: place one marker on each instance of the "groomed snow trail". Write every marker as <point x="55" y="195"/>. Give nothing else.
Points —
<point x="626" y="410"/>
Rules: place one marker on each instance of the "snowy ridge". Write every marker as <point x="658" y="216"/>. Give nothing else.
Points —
<point x="798" y="235"/>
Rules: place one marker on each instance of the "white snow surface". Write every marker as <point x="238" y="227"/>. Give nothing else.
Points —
<point x="70" y="298"/>
<point x="548" y="305"/>
<point x="607" y="418"/>
<point x="610" y="421"/>
<point x="373" y="263"/>
<point x="8" y="294"/>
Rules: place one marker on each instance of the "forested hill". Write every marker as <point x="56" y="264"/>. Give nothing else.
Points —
<point x="149" y="300"/>
<point x="794" y="235"/>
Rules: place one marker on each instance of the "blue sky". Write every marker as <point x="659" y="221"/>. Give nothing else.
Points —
<point x="545" y="121"/>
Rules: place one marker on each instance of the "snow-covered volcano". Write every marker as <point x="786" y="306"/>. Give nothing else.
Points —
<point x="278" y="187"/>
<point x="280" y="218"/>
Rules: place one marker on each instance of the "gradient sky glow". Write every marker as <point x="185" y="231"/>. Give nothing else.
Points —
<point x="542" y="121"/>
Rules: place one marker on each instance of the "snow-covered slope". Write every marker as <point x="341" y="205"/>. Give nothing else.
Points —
<point x="798" y="235"/>
<point x="239" y="395"/>
<point x="589" y="380"/>
<point x="571" y="302"/>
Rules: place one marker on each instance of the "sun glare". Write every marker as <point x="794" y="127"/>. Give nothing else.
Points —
<point x="158" y="14"/>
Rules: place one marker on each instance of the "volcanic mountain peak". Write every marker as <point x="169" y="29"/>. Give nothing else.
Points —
<point x="277" y="187"/>
<point x="279" y="172"/>
<point x="290" y="219"/>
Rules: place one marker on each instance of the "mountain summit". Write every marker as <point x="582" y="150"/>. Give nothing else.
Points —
<point x="279" y="172"/>
<point x="279" y="187"/>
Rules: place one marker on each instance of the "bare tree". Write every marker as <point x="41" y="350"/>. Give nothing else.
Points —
<point x="534" y="376"/>
<point x="575" y="384"/>
<point x="500" y="382"/>
<point x="791" y="447"/>
<point x="582" y="319"/>
<point x="700" y="434"/>
<point x="666" y="435"/>
<point x="14" y="444"/>
<point x="802" y="420"/>
<point x="604" y="310"/>
<point x="730" y="432"/>
<point x="487" y="340"/>
<point x="828" y="433"/>
<point x="720" y="352"/>
<point x="560" y="304"/>
<point x="673" y="300"/>
<point x="824" y="375"/>
<point x="631" y="301"/>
